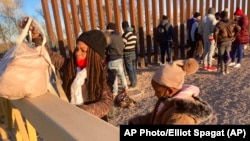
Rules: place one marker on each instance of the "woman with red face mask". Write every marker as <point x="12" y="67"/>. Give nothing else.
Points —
<point x="84" y="73"/>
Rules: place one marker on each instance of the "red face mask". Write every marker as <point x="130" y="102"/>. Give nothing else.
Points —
<point x="81" y="63"/>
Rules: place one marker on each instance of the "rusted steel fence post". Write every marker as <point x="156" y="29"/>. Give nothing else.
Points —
<point x="84" y="21"/>
<point x="141" y="33"/>
<point x="92" y="14"/>
<point x="176" y="29"/>
<point x="75" y="18"/>
<point x="148" y="32"/>
<point x="124" y="10"/>
<point x="182" y="30"/>
<point x="117" y="15"/>
<point x="67" y="23"/>
<point x="100" y="14"/>
<point x="48" y="20"/>
<point x="155" y="24"/>
<point x="58" y="27"/>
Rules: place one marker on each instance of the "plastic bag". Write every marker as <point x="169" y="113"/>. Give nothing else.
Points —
<point x="25" y="70"/>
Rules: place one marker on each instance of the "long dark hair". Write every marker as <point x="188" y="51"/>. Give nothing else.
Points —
<point x="96" y="75"/>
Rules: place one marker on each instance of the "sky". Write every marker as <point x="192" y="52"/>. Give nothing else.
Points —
<point x="30" y="6"/>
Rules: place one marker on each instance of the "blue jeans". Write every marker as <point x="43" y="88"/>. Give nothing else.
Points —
<point x="237" y="51"/>
<point x="209" y="48"/>
<point x="117" y="65"/>
<point x="130" y="63"/>
<point x="165" y="48"/>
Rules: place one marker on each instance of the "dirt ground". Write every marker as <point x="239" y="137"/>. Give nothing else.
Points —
<point x="229" y="94"/>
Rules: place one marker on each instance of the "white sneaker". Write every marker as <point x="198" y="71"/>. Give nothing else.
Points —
<point x="237" y="65"/>
<point x="231" y="64"/>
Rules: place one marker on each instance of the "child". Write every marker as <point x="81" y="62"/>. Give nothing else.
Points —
<point x="178" y="103"/>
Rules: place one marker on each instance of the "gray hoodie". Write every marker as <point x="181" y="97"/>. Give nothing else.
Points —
<point x="207" y="26"/>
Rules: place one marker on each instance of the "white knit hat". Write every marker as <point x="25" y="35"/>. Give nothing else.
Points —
<point x="173" y="75"/>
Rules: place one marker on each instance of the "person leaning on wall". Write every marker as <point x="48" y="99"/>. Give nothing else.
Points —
<point x="84" y="74"/>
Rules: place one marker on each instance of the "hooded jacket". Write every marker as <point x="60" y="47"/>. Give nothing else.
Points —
<point x="170" y="30"/>
<point x="226" y="30"/>
<point x="243" y="36"/>
<point x="184" y="108"/>
<point x="207" y="27"/>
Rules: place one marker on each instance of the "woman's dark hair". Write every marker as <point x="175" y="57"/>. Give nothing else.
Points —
<point x="96" y="75"/>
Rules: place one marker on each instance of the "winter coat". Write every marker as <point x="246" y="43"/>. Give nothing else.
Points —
<point x="115" y="50"/>
<point x="243" y="36"/>
<point x="170" y="36"/>
<point x="207" y="27"/>
<point x="226" y="30"/>
<point x="99" y="108"/>
<point x="184" y="108"/>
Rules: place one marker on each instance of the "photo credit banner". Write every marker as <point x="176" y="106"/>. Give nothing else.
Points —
<point x="199" y="132"/>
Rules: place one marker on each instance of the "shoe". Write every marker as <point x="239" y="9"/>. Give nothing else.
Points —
<point x="211" y="68"/>
<point x="237" y="65"/>
<point x="231" y="64"/>
<point x="223" y="73"/>
<point x="163" y="64"/>
<point x="205" y="67"/>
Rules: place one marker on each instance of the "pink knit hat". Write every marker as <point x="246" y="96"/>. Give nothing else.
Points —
<point x="173" y="75"/>
<point x="238" y="12"/>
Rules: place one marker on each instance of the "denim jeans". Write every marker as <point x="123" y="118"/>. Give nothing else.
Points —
<point x="237" y="51"/>
<point x="209" y="48"/>
<point x="130" y="63"/>
<point x="166" y="48"/>
<point x="117" y="65"/>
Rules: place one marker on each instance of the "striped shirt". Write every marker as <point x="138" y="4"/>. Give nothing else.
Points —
<point x="130" y="40"/>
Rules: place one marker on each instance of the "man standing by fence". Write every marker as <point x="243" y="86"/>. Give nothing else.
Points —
<point x="193" y="35"/>
<point x="114" y="54"/>
<point x="206" y="29"/>
<point x="241" y="39"/>
<point x="130" y="40"/>
<point x="165" y="38"/>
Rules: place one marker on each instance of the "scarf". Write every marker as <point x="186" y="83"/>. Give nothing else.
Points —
<point x="76" y="87"/>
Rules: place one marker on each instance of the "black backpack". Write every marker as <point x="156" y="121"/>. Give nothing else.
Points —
<point x="162" y="33"/>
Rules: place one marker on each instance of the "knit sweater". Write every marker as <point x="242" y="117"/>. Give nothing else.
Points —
<point x="129" y="39"/>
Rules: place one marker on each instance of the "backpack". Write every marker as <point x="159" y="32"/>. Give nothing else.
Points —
<point x="162" y="33"/>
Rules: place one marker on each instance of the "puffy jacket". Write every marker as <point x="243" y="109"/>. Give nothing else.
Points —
<point x="226" y="30"/>
<point x="99" y="107"/>
<point x="178" y="110"/>
<point x="243" y="36"/>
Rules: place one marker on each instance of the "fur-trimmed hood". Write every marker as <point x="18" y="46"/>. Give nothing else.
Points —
<point x="191" y="110"/>
<point x="198" y="109"/>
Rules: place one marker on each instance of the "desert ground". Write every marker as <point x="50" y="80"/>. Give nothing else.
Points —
<point x="229" y="94"/>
